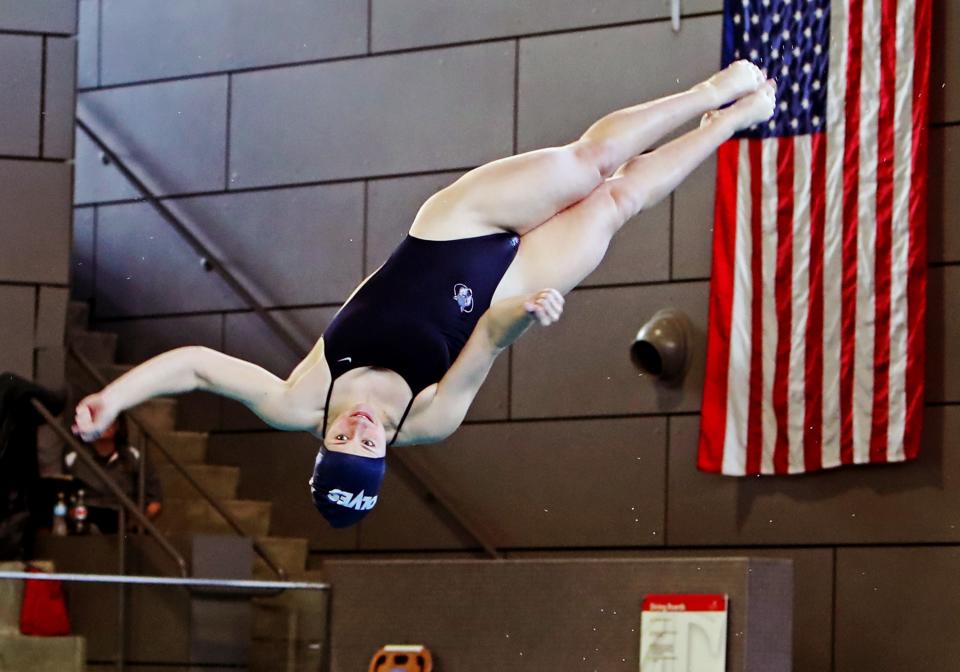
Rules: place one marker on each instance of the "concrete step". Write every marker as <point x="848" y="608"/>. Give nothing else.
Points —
<point x="78" y="315"/>
<point x="291" y="656"/>
<point x="290" y="599"/>
<point x="188" y="515"/>
<point x="289" y="629"/>
<point x="99" y="347"/>
<point x="221" y="482"/>
<point x="290" y="553"/>
<point x="51" y="366"/>
<point x="11" y="593"/>
<point x="113" y="371"/>
<point x="160" y="414"/>
<point x="42" y="654"/>
<point x="185" y="447"/>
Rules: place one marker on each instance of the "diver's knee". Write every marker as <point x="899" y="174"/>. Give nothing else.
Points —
<point x="628" y="199"/>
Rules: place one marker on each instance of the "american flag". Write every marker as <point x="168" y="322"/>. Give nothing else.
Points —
<point x="817" y="296"/>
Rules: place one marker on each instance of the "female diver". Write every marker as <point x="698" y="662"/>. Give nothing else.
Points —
<point x="414" y="342"/>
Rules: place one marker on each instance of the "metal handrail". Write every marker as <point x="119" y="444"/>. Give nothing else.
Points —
<point x="209" y="260"/>
<point x="113" y="487"/>
<point x="189" y="582"/>
<point x="415" y="472"/>
<point x="150" y="436"/>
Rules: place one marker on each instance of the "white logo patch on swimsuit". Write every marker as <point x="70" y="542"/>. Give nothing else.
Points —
<point x="351" y="501"/>
<point x="463" y="295"/>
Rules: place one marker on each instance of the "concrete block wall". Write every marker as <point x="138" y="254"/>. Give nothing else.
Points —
<point x="302" y="137"/>
<point x="37" y="82"/>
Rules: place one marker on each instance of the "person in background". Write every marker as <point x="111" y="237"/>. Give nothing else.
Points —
<point x="113" y="452"/>
<point x="21" y="505"/>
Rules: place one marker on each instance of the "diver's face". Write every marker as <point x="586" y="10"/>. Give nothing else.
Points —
<point x="357" y="432"/>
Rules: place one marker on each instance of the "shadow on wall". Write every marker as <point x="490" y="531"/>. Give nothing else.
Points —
<point x="881" y="480"/>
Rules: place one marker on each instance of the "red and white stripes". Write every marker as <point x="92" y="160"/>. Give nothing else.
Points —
<point x="815" y="343"/>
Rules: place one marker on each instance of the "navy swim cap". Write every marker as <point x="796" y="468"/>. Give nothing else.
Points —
<point x="346" y="487"/>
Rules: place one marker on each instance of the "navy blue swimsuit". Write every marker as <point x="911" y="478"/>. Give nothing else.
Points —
<point x="415" y="314"/>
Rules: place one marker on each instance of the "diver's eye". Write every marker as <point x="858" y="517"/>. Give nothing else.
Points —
<point x="369" y="444"/>
<point x="341" y="437"/>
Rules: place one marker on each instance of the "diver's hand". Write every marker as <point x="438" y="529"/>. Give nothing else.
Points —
<point x="93" y="416"/>
<point x="546" y="306"/>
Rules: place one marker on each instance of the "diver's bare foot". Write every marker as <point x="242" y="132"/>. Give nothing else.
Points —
<point x="753" y="108"/>
<point x="733" y="82"/>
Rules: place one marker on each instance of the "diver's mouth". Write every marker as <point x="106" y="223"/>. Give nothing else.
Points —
<point x="362" y="414"/>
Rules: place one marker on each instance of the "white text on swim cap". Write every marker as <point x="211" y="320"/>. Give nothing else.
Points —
<point x="351" y="501"/>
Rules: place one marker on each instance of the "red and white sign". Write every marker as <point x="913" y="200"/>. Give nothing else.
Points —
<point x="683" y="633"/>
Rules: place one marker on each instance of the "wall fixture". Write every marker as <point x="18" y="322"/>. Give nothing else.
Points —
<point x="661" y="346"/>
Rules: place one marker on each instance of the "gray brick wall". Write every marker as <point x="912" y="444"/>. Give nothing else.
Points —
<point x="37" y="83"/>
<point x="322" y="127"/>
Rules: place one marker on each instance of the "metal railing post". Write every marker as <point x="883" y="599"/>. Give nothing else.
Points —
<point x="121" y="591"/>
<point x="142" y="476"/>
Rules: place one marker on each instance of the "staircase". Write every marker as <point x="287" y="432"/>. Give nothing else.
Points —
<point x="185" y="513"/>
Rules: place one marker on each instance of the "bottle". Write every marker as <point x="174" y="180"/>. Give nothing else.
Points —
<point x="80" y="515"/>
<point x="72" y="513"/>
<point x="60" y="516"/>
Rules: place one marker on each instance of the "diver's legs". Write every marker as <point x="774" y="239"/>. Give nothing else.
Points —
<point x="519" y="193"/>
<point x="569" y="246"/>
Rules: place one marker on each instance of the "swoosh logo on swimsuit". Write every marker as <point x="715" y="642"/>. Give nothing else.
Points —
<point x="345" y="359"/>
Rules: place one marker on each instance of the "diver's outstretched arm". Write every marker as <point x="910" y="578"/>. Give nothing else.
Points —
<point x="195" y="368"/>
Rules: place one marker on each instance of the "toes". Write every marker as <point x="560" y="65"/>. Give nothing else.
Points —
<point x="752" y="70"/>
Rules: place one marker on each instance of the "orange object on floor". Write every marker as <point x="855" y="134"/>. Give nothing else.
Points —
<point x="402" y="658"/>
